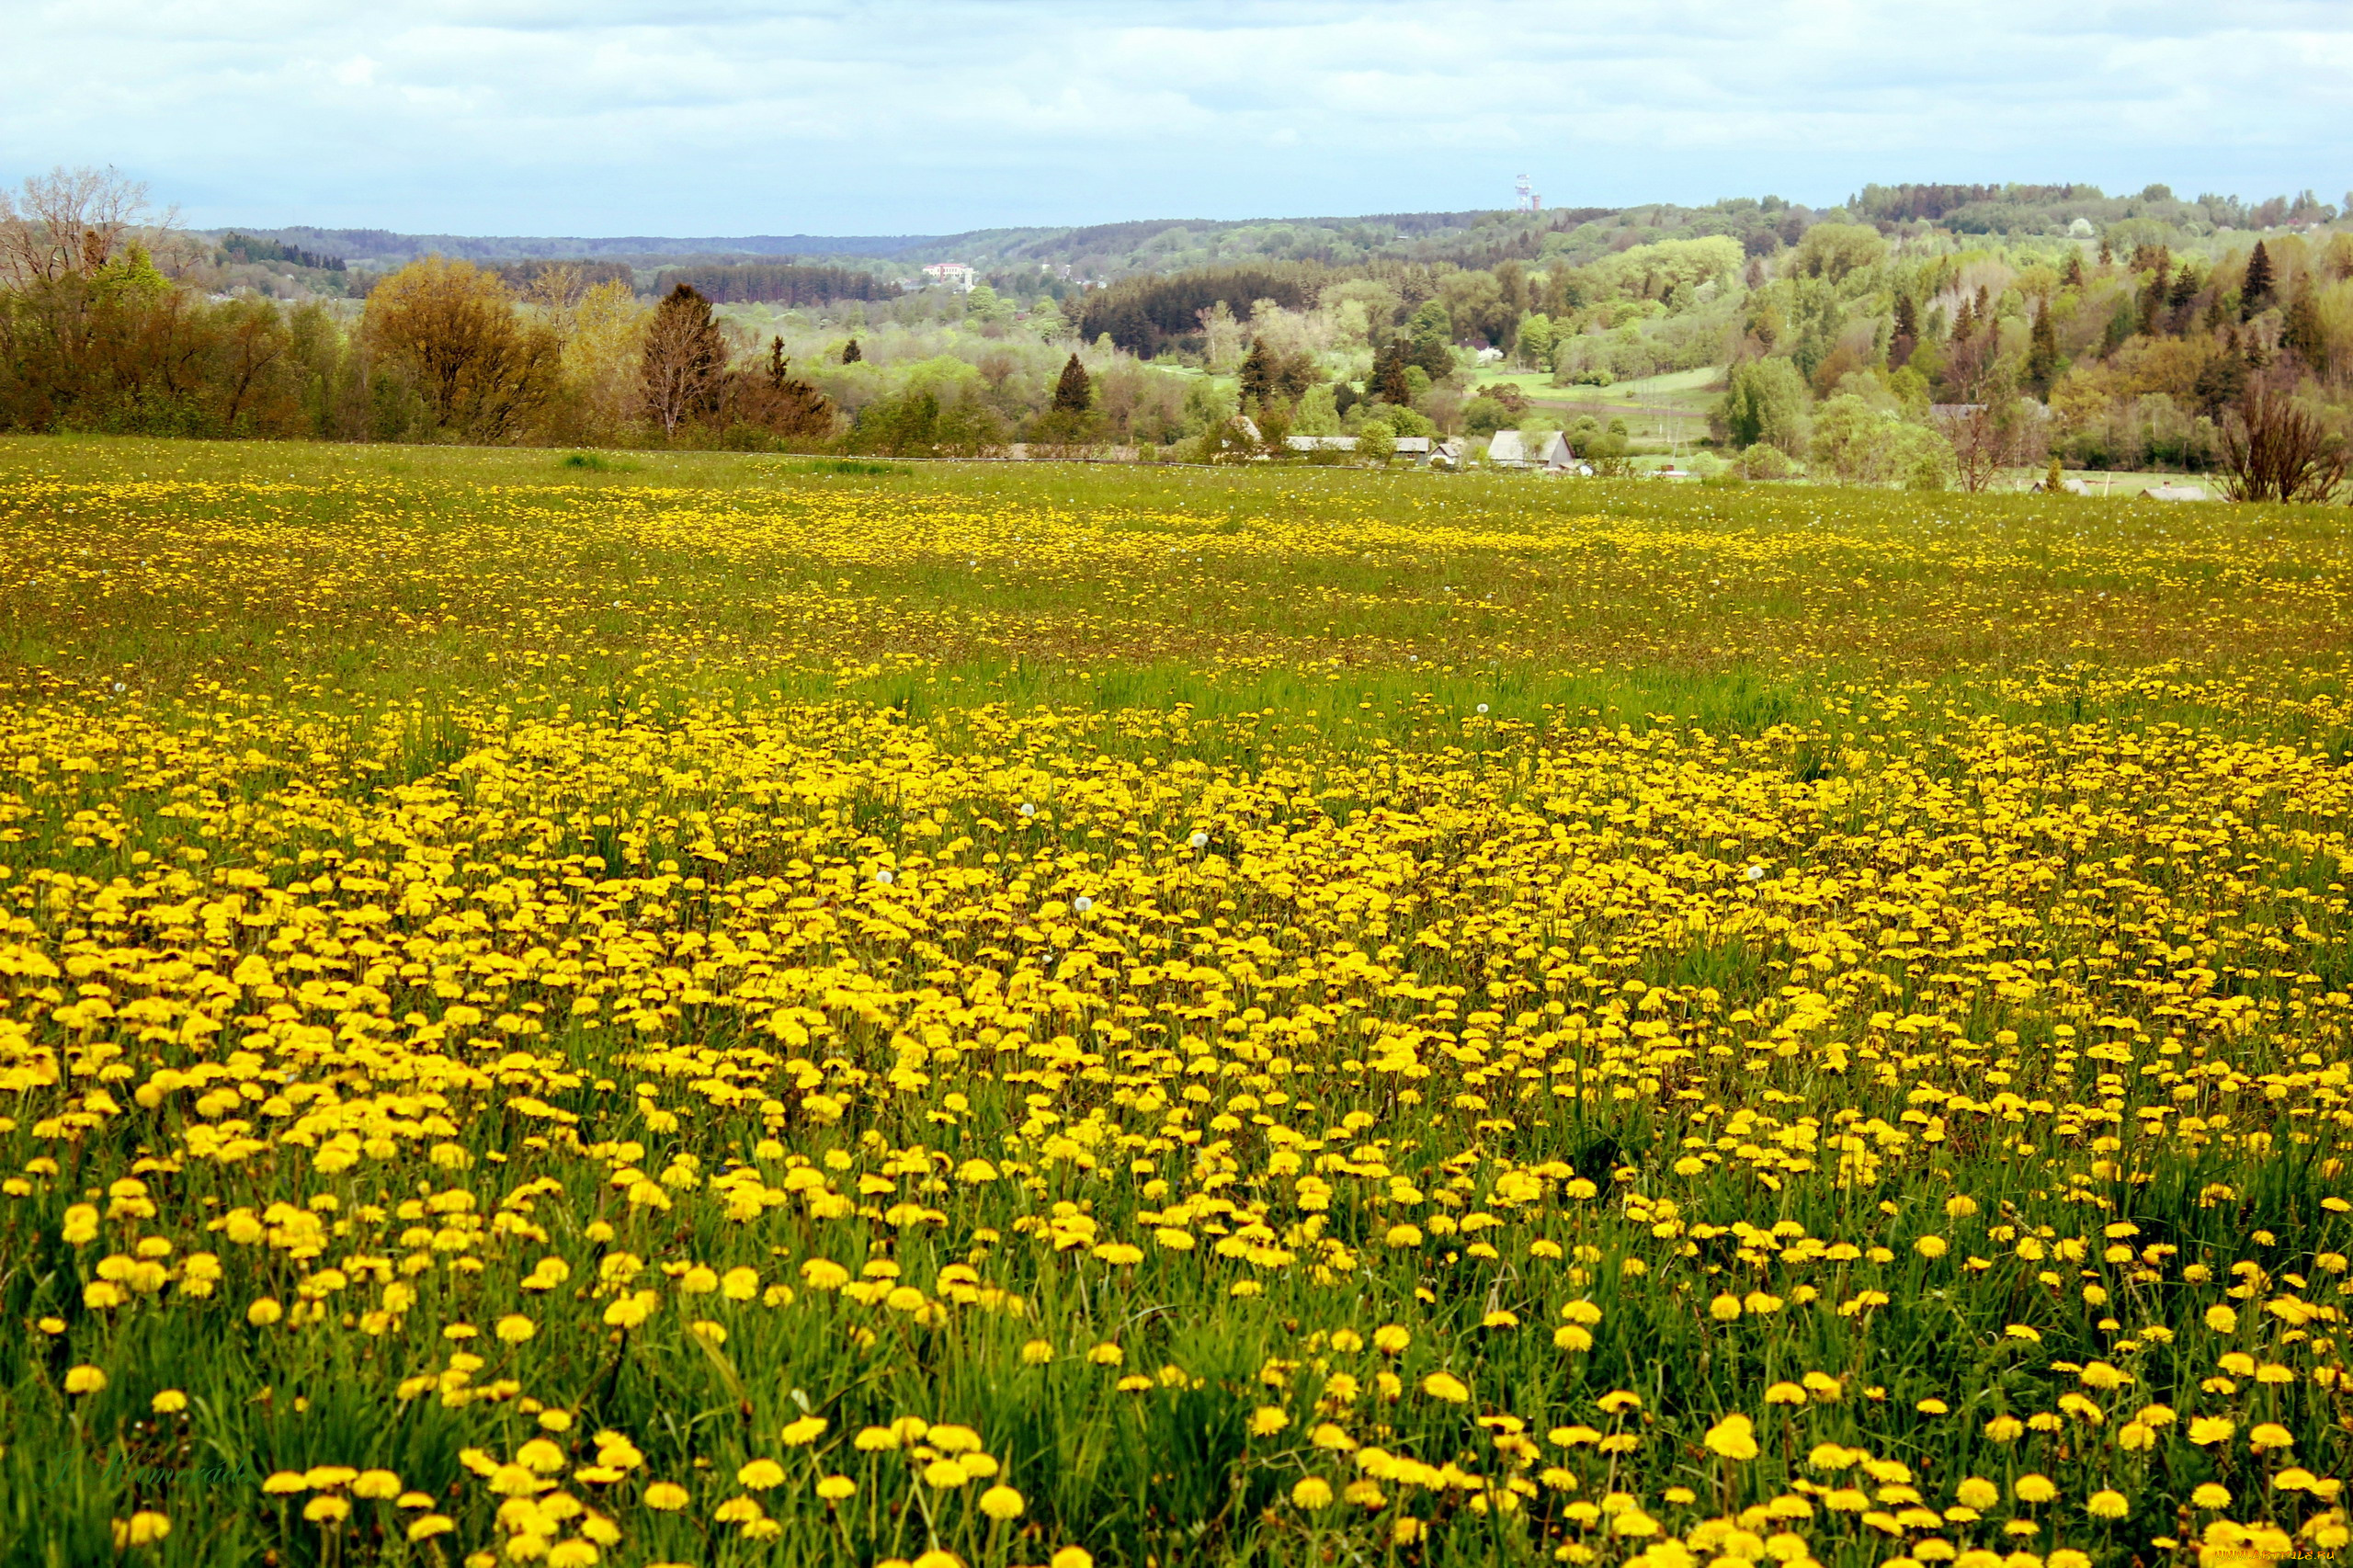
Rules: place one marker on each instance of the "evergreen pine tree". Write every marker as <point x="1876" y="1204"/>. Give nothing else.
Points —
<point x="2106" y="255"/>
<point x="2186" y="284"/>
<point x="1906" y="336"/>
<point x="2257" y="287"/>
<point x="2074" y="276"/>
<point x="1258" y="374"/>
<point x="2303" y="332"/>
<point x="2122" y="322"/>
<point x="775" y="400"/>
<point x="852" y="353"/>
<point x="2157" y="261"/>
<point x="1074" y="392"/>
<point x="2042" y="351"/>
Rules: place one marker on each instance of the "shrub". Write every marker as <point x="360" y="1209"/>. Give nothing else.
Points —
<point x="1484" y="417"/>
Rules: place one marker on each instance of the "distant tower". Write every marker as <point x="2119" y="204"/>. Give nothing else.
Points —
<point x="1528" y="201"/>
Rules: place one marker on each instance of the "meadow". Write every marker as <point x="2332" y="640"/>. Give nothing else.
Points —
<point x="711" y="1010"/>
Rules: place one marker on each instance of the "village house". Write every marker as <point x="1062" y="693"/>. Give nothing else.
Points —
<point x="1416" y="450"/>
<point x="1550" y="452"/>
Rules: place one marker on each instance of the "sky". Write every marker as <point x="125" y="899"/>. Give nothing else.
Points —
<point x="885" y="117"/>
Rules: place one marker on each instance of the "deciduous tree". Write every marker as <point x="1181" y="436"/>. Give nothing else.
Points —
<point x="683" y="360"/>
<point x="2303" y="333"/>
<point x="122" y="349"/>
<point x="72" y="220"/>
<point x="602" y="354"/>
<point x="1861" y="445"/>
<point x="1765" y="400"/>
<point x="448" y="331"/>
<point x="1984" y="436"/>
<point x="1430" y="328"/>
<point x="1835" y="251"/>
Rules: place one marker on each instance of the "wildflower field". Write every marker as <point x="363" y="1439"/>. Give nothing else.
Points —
<point x="723" y="1010"/>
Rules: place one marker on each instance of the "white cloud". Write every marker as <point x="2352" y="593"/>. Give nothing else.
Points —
<point x="877" y="116"/>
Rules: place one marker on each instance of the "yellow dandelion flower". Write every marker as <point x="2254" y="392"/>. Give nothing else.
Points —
<point x="1733" y="1438"/>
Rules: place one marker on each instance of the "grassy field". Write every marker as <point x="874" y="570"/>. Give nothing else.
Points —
<point x="1676" y="402"/>
<point x="710" y="1009"/>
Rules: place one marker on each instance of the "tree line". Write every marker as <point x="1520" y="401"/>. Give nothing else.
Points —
<point x="777" y="283"/>
<point x="1146" y="315"/>
<point x="245" y="247"/>
<point x="1868" y="352"/>
<point x="95" y="336"/>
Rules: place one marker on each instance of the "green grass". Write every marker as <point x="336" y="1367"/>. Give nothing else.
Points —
<point x="1678" y="395"/>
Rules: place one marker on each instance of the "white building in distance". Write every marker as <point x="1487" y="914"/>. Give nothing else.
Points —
<point x="951" y="274"/>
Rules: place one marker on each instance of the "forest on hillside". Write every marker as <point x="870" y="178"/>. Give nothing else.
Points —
<point x="1107" y="252"/>
<point x="1919" y="334"/>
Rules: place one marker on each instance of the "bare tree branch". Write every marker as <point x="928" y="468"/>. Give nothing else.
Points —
<point x="2275" y="450"/>
<point x="74" y="220"/>
<point x="1982" y="443"/>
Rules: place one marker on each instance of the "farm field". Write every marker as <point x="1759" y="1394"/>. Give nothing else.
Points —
<point x="703" y="1009"/>
<point x="1679" y="399"/>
